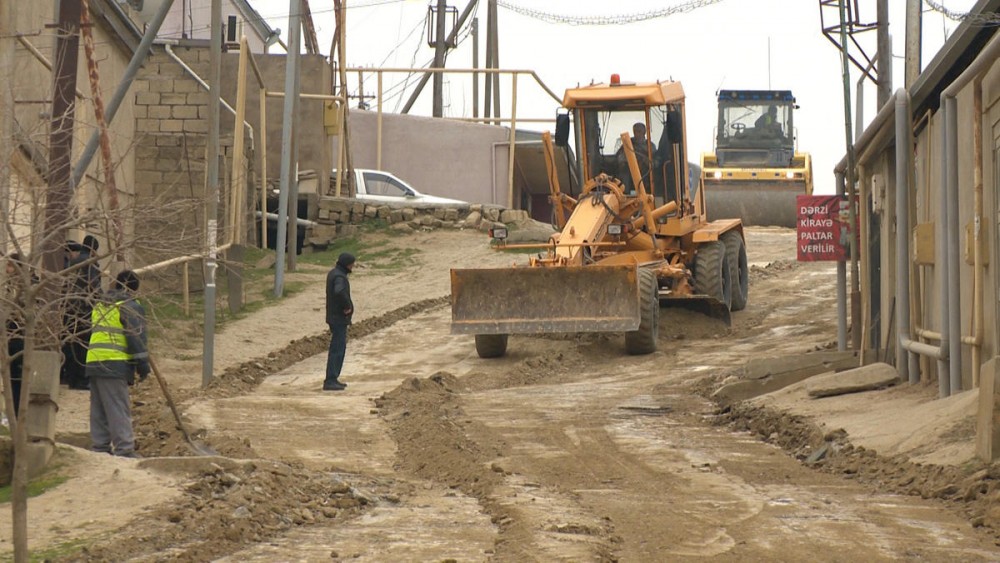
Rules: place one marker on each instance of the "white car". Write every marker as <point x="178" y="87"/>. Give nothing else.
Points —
<point x="378" y="185"/>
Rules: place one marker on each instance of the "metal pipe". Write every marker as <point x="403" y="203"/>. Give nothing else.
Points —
<point x="952" y="252"/>
<point x="978" y="273"/>
<point x="841" y="284"/>
<point x="378" y="126"/>
<point x="114" y="103"/>
<point x="298" y="220"/>
<point x="905" y="359"/>
<point x="42" y="59"/>
<point x="941" y="271"/>
<point x="513" y="137"/>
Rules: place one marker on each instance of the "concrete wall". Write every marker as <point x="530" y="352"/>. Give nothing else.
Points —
<point x="455" y="159"/>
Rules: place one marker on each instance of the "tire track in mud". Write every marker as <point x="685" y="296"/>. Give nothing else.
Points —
<point x="434" y="441"/>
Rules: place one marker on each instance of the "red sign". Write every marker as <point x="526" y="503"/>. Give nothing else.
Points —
<point x="823" y="230"/>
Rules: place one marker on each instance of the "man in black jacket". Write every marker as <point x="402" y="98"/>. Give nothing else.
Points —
<point x="339" y="309"/>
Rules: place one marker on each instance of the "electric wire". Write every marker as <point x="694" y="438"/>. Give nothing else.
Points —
<point x="598" y="20"/>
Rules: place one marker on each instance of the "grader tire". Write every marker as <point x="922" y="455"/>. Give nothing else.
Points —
<point x="643" y="341"/>
<point x="711" y="273"/>
<point x="491" y="345"/>
<point x="739" y="272"/>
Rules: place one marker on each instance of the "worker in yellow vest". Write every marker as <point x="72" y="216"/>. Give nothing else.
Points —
<point x="116" y="353"/>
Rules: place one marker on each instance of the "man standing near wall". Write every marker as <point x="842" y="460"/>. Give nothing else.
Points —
<point x="339" y="310"/>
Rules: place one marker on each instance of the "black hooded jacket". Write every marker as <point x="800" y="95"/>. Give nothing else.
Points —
<point x="338" y="296"/>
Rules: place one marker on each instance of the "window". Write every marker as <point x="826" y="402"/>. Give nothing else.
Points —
<point x="382" y="184"/>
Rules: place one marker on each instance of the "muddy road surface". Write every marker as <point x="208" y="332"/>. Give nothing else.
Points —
<point x="566" y="449"/>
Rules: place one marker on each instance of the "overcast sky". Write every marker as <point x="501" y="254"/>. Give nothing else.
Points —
<point x="737" y="44"/>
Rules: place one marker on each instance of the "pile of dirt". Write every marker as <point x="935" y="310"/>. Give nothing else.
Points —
<point x="156" y="429"/>
<point x="772" y="269"/>
<point x="426" y="422"/>
<point x="224" y="510"/>
<point x="973" y="490"/>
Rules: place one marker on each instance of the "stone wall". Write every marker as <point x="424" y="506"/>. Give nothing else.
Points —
<point x="340" y="217"/>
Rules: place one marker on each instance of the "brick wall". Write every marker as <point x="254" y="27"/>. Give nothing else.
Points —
<point x="171" y="118"/>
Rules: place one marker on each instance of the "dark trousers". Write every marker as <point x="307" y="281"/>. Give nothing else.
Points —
<point x="74" y="369"/>
<point x="338" y="350"/>
<point x="15" y="390"/>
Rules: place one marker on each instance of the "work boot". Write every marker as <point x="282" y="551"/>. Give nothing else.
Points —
<point x="132" y="455"/>
<point x="334" y="386"/>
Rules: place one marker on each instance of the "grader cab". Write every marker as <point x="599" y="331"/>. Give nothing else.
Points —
<point x="635" y="235"/>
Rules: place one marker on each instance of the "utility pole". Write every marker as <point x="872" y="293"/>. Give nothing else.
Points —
<point x="494" y="31"/>
<point x="7" y="143"/>
<point x="884" y="54"/>
<point x="489" y="78"/>
<point x="60" y="192"/>
<point x="287" y="125"/>
<point x="440" y="48"/>
<point x="851" y="190"/>
<point x="913" y="42"/>
<point x="212" y="190"/>
<point x="475" y="65"/>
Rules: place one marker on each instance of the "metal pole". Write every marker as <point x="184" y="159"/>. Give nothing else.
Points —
<point x="884" y="53"/>
<point x="212" y="190"/>
<point x="293" y="185"/>
<point x="475" y="65"/>
<point x="378" y="128"/>
<point x="439" y="52"/>
<point x="913" y="42"/>
<point x="489" y="77"/>
<point x="263" y="167"/>
<point x="288" y="117"/>
<point x="953" y="250"/>
<point x="496" y="60"/>
<point x="138" y="58"/>
<point x="851" y="188"/>
<point x="904" y="146"/>
<point x="841" y="285"/>
<point x="451" y="39"/>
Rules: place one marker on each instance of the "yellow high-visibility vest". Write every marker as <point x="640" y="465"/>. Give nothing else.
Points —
<point x="107" y="336"/>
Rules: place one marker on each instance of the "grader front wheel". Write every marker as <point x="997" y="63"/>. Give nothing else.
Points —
<point x="643" y="341"/>
<point x="736" y="253"/>
<point x="711" y="273"/>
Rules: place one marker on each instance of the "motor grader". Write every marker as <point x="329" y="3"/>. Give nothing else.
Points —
<point x="634" y="236"/>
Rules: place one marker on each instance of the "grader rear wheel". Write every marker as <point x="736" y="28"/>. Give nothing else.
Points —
<point x="643" y="341"/>
<point x="491" y="345"/>
<point x="711" y="273"/>
<point x="736" y="253"/>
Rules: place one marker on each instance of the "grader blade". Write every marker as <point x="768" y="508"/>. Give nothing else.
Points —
<point x="544" y="300"/>
<point x="762" y="203"/>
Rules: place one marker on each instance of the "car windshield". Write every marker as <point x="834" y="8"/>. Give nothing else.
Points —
<point x="754" y="122"/>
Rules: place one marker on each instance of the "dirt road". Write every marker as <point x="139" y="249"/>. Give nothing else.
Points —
<point x="565" y="449"/>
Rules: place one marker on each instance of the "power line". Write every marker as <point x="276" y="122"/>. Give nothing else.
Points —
<point x="620" y="19"/>
<point x="983" y="19"/>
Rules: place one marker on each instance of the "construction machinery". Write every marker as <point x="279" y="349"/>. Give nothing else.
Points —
<point x="755" y="172"/>
<point x="635" y="235"/>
